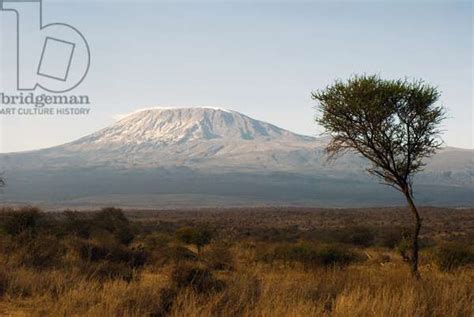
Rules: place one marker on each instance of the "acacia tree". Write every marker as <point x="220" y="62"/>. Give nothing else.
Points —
<point x="392" y="123"/>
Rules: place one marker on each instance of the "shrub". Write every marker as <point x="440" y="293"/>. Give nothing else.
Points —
<point x="3" y="282"/>
<point x="360" y="236"/>
<point x="156" y="240"/>
<point x="312" y="255"/>
<point x="42" y="252"/>
<point x="198" y="236"/>
<point x="333" y="255"/>
<point x="390" y="237"/>
<point x="96" y="251"/>
<point x="219" y="257"/>
<point x="289" y="234"/>
<point x="404" y="248"/>
<point x="198" y="278"/>
<point x="451" y="256"/>
<point x="24" y="221"/>
<point x="114" y="221"/>
<point x="179" y="254"/>
<point x="289" y="253"/>
<point x="77" y="225"/>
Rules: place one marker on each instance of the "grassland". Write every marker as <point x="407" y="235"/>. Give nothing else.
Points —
<point x="235" y="262"/>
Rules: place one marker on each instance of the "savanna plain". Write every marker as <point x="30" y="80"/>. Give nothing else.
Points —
<point x="234" y="262"/>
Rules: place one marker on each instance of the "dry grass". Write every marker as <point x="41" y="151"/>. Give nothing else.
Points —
<point x="356" y="291"/>
<point x="235" y="280"/>
<point x="252" y="289"/>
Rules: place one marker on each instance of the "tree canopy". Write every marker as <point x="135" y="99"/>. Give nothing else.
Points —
<point x="392" y="123"/>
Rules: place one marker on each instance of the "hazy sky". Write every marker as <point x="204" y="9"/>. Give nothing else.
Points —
<point x="262" y="59"/>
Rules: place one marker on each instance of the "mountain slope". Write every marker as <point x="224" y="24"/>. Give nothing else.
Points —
<point x="211" y="152"/>
<point x="166" y="126"/>
<point x="194" y="137"/>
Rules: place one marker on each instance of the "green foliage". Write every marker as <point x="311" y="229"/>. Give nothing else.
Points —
<point x="333" y="255"/>
<point x="157" y="247"/>
<point x="360" y="236"/>
<point x="41" y="252"/>
<point x="178" y="254"/>
<point x="451" y="256"/>
<point x="390" y="237"/>
<point x="289" y="234"/>
<point x="96" y="243"/>
<point x="77" y="225"/>
<point x="393" y="123"/>
<point x="312" y="255"/>
<point x="99" y="250"/>
<point x="404" y="248"/>
<point x="199" y="236"/>
<point x="156" y="240"/>
<point x="114" y="221"/>
<point x="24" y="221"/>
<point x="354" y="235"/>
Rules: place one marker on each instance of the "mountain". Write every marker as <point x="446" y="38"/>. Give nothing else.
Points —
<point x="207" y="156"/>
<point x="192" y="137"/>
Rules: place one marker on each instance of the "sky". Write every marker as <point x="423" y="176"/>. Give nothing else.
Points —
<point x="260" y="58"/>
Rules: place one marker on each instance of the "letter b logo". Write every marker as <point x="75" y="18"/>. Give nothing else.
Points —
<point x="55" y="57"/>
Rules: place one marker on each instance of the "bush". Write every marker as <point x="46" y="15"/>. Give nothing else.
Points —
<point x="3" y="282"/>
<point x="451" y="256"/>
<point x="360" y="236"/>
<point x="77" y="225"/>
<point x="219" y="257"/>
<point x="333" y="255"/>
<point x="96" y="251"/>
<point x="288" y="253"/>
<point x="198" y="236"/>
<point x="41" y="252"/>
<point x="156" y="241"/>
<point x="391" y="237"/>
<point x="312" y="255"/>
<point x="114" y="221"/>
<point x="403" y="248"/>
<point x="24" y="221"/>
<point x="179" y="254"/>
<point x="289" y="235"/>
<point x="199" y="279"/>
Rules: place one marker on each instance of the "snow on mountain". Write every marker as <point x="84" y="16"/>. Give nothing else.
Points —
<point x="166" y="126"/>
<point x="187" y="154"/>
<point x="212" y="139"/>
<point x="192" y="137"/>
<point x="206" y="138"/>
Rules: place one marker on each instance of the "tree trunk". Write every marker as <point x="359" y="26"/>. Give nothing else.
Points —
<point x="416" y="232"/>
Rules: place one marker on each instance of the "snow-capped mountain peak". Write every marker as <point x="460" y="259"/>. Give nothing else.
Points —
<point x="188" y="154"/>
<point x="168" y="126"/>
